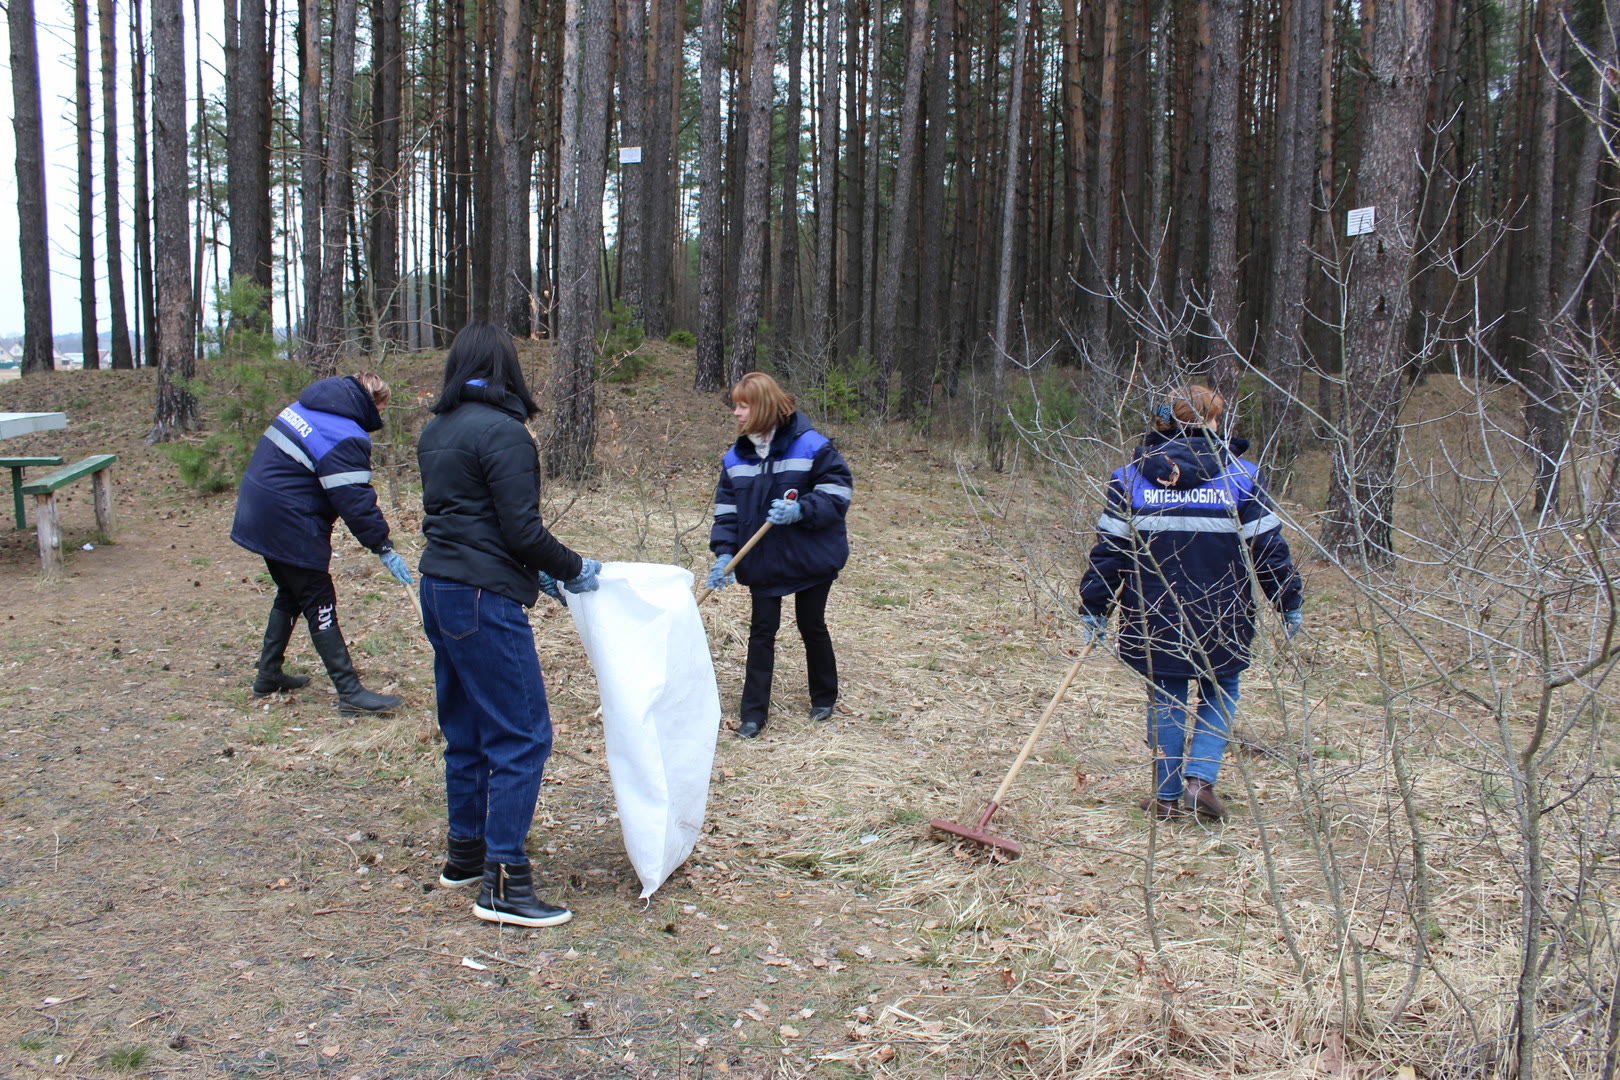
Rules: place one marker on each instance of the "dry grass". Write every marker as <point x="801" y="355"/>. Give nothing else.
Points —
<point x="1114" y="948"/>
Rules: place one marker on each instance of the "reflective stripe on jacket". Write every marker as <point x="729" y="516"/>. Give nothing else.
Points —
<point x="312" y="466"/>
<point x="794" y="557"/>
<point x="1182" y="528"/>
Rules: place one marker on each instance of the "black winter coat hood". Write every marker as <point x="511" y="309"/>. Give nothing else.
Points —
<point x="1198" y="453"/>
<point x="344" y="396"/>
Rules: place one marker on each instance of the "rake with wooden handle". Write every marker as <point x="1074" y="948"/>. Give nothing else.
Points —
<point x="978" y="833"/>
<point x="790" y="495"/>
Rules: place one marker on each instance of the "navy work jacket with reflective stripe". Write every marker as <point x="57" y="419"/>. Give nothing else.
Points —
<point x="790" y="558"/>
<point x="312" y="466"/>
<point x="1183" y="525"/>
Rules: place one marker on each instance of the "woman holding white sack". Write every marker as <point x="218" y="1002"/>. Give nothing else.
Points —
<point x="783" y="471"/>
<point x="487" y="555"/>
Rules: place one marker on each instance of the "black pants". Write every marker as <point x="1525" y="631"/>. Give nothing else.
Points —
<point x="810" y="612"/>
<point x="302" y="590"/>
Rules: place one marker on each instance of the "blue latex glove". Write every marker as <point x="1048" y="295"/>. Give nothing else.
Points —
<point x="586" y="582"/>
<point x="548" y="585"/>
<point x="718" y="578"/>
<point x="1093" y="628"/>
<point x="784" y="512"/>
<point x="1292" y="621"/>
<point x="396" y="566"/>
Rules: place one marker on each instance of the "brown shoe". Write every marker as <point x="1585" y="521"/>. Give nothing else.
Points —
<point x="1163" y="809"/>
<point x="1199" y="798"/>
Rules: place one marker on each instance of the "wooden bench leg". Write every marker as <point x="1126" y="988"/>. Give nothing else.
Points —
<point x="50" y="532"/>
<point x="16" y="495"/>
<point x="102" y="483"/>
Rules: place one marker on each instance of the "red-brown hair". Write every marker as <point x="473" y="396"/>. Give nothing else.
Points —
<point x="770" y="405"/>
<point x="1193" y="406"/>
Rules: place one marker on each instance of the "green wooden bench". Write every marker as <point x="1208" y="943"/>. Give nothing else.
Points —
<point x="17" y="465"/>
<point x="44" y="491"/>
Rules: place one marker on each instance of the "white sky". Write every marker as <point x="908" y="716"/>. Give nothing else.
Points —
<point x="54" y="24"/>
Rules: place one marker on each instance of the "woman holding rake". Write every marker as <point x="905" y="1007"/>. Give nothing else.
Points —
<point x="783" y="472"/>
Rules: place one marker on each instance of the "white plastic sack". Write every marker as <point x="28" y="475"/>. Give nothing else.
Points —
<point x="660" y="707"/>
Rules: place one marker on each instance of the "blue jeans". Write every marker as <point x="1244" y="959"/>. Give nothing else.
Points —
<point x="1173" y="759"/>
<point x="492" y="710"/>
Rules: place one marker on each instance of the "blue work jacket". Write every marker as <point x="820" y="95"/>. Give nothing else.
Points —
<point x="312" y="466"/>
<point x="1184" y="525"/>
<point x="790" y="558"/>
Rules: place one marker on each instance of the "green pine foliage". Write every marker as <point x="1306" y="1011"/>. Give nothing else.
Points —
<point x="247" y="379"/>
<point x="620" y="359"/>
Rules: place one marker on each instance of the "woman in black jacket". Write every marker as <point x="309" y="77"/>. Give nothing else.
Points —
<point x="487" y="557"/>
<point x="786" y="472"/>
<point x="1187" y="527"/>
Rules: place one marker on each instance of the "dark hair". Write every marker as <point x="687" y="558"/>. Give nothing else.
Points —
<point x="483" y="351"/>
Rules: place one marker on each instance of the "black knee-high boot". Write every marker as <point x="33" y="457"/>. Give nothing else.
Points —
<point x="270" y="677"/>
<point x="352" y="697"/>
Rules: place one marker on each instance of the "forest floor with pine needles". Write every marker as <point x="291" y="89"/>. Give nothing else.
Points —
<point x="197" y="884"/>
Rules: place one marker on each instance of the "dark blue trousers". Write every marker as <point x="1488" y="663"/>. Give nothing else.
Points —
<point x="492" y="710"/>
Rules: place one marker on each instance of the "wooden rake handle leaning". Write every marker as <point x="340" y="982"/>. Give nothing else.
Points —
<point x="790" y="496"/>
<point x="978" y="833"/>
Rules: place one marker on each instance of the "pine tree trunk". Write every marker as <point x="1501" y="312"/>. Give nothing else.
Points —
<point x="39" y="348"/>
<point x="1578" y="231"/>
<point x="122" y="356"/>
<point x="1075" y="225"/>
<point x="1360" y="510"/>
<point x="1222" y="274"/>
<point x="176" y="410"/>
<point x="659" y="194"/>
<point x="1193" y="174"/>
<point x="633" y="81"/>
<point x="847" y="338"/>
<point x="309" y="172"/>
<point x="822" y="307"/>
<point x="933" y="281"/>
<point x="1541" y="378"/>
<point x="382" y="255"/>
<point x="1001" y="340"/>
<point x="867" y="313"/>
<point x="247" y="159"/>
<point x="1100" y="295"/>
<point x="337" y="189"/>
<point x="572" y="439"/>
<point x="89" y="337"/>
<point x="509" y="260"/>
<point x="710" y="373"/>
<point x="756" y="193"/>
<point x="1293" y="176"/>
<point x="146" y="281"/>
<point x="889" y="355"/>
<point x="785" y="343"/>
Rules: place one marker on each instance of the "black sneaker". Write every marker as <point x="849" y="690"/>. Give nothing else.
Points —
<point x="821" y="712"/>
<point x="464" y="865"/>
<point x="508" y="898"/>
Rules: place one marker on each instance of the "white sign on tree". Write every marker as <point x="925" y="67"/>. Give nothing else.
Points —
<point x="1359" y="222"/>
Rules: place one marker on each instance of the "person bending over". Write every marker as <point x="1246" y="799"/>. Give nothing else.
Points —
<point x="312" y="466"/>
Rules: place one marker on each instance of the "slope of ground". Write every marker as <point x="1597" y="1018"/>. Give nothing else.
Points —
<point x="195" y="884"/>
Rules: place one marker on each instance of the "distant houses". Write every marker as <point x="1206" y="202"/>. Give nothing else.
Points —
<point x="11" y="357"/>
